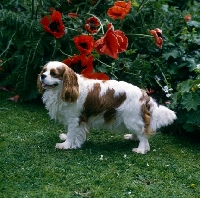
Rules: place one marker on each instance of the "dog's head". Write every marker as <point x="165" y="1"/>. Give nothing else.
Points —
<point x="57" y="75"/>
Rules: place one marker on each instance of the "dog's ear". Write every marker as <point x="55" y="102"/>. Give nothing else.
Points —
<point x="39" y="84"/>
<point x="70" y="91"/>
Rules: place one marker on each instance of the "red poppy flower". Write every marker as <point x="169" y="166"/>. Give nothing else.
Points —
<point x="157" y="33"/>
<point x="79" y="63"/>
<point x="72" y="15"/>
<point x="83" y="65"/>
<point x="112" y="43"/>
<point x="53" y="24"/>
<point x="187" y="17"/>
<point x="92" y="24"/>
<point x="119" y="10"/>
<point x="84" y="43"/>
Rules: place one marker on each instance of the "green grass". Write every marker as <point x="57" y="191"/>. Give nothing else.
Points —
<point x="32" y="167"/>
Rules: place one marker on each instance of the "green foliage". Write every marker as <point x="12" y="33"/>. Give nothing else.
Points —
<point x="171" y="72"/>
<point x="186" y="100"/>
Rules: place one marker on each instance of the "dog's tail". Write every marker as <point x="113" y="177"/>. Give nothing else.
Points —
<point x="155" y="116"/>
<point x="160" y="116"/>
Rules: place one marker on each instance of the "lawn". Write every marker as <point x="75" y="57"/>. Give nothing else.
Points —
<point x="104" y="167"/>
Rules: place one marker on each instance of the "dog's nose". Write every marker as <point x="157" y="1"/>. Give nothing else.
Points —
<point x="43" y="76"/>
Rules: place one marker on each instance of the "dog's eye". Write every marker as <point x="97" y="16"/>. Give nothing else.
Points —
<point x="53" y="73"/>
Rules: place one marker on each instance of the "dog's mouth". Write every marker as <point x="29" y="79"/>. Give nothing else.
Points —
<point x="49" y="86"/>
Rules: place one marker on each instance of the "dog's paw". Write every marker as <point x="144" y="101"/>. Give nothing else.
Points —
<point x="141" y="151"/>
<point x="63" y="136"/>
<point x="130" y="137"/>
<point x="62" y="146"/>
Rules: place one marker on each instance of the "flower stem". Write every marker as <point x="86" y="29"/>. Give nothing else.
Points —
<point x="32" y="9"/>
<point x="142" y="5"/>
<point x="144" y="35"/>
<point x="65" y="53"/>
<point x="94" y="6"/>
<point x="72" y="29"/>
<point x="103" y="63"/>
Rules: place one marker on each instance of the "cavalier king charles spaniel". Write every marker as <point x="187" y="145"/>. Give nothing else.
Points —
<point x="80" y="103"/>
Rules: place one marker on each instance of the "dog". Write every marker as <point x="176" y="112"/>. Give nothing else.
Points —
<point x="81" y="103"/>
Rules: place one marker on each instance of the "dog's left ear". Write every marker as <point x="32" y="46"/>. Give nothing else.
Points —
<point x="39" y="84"/>
<point x="70" y="90"/>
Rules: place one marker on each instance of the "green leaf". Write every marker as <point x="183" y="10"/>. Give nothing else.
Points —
<point x="191" y="63"/>
<point x="165" y="8"/>
<point x="174" y="53"/>
<point x="192" y="120"/>
<point x="194" y="117"/>
<point x="188" y="127"/>
<point x="190" y="101"/>
<point x="185" y="86"/>
<point x="194" y="23"/>
<point x="134" y="3"/>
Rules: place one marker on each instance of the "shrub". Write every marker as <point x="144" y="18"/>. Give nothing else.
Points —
<point x="169" y="70"/>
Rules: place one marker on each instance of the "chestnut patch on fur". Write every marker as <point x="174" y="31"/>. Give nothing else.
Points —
<point x="105" y="104"/>
<point x="57" y="73"/>
<point x="39" y="84"/>
<point x="145" y="113"/>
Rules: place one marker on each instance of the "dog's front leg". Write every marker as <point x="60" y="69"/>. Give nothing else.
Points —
<point x="75" y="137"/>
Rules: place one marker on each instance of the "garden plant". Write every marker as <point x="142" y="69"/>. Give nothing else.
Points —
<point x="152" y="44"/>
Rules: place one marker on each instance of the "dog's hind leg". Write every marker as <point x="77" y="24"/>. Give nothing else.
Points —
<point x="137" y="129"/>
<point x="144" y="146"/>
<point x="143" y="142"/>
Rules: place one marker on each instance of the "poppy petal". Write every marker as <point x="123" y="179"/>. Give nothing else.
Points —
<point x="110" y="46"/>
<point x="122" y="40"/>
<point x="157" y="33"/>
<point x="72" y="15"/>
<point x="98" y="76"/>
<point x="112" y="43"/>
<point x="119" y="10"/>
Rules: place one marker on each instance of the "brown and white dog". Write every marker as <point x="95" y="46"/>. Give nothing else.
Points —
<point x="80" y="103"/>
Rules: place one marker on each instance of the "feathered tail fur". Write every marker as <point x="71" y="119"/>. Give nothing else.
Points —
<point x="160" y="115"/>
<point x="154" y="116"/>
